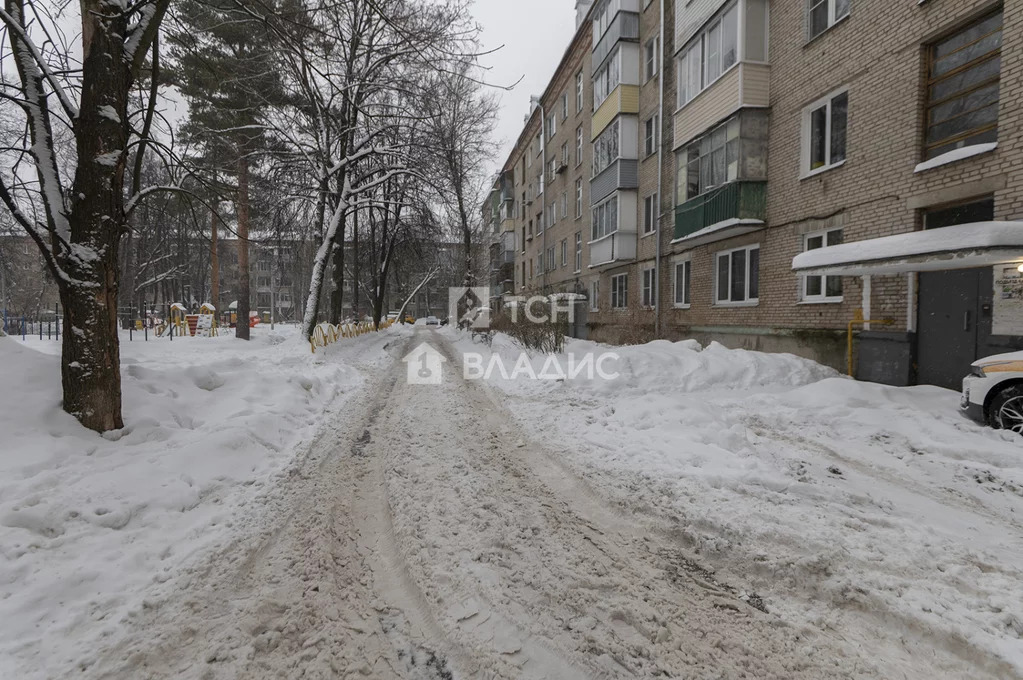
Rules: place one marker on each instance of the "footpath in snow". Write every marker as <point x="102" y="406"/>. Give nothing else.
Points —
<point x="92" y="527"/>
<point x="856" y="508"/>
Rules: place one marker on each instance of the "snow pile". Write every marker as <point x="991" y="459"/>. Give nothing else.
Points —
<point x="852" y="506"/>
<point x="90" y="523"/>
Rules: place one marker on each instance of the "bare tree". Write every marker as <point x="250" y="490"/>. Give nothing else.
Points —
<point x="77" y="217"/>
<point x="462" y="117"/>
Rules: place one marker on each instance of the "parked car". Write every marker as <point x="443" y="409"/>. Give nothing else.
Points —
<point x="993" y="392"/>
<point x="432" y="321"/>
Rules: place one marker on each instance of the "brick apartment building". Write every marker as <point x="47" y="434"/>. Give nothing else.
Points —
<point x="806" y="163"/>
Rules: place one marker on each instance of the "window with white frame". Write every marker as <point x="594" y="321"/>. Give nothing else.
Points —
<point x="552" y="126"/>
<point x="595" y="296"/>
<point x="606" y="148"/>
<point x="650" y="130"/>
<point x="564" y="106"/>
<point x="564" y="154"/>
<point x="823" y="14"/>
<point x="564" y="204"/>
<point x="578" y="146"/>
<point x="650" y="214"/>
<point x="825" y="123"/>
<point x="682" y="280"/>
<point x="650" y="58"/>
<point x="822" y="288"/>
<point x="737" y="276"/>
<point x="648" y="287"/>
<point x="551" y="263"/>
<point x="539" y="264"/>
<point x="605" y="218"/>
<point x="579" y="92"/>
<point x="709" y="55"/>
<point x="607" y="78"/>
<point x="603" y="15"/>
<point x="578" y="251"/>
<point x="564" y="252"/>
<point x="620" y="291"/>
<point x="578" y="198"/>
<point x="552" y="169"/>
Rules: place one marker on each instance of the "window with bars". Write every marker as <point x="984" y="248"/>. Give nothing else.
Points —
<point x="963" y="85"/>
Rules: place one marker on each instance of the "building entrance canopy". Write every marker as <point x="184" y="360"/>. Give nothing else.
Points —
<point x="962" y="246"/>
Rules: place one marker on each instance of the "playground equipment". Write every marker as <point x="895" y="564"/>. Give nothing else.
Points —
<point x="175" y="321"/>
<point x="327" y="333"/>
<point x="181" y="323"/>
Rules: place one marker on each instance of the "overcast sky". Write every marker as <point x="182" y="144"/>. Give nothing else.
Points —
<point x="535" y="35"/>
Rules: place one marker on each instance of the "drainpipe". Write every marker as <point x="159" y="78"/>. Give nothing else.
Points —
<point x="660" y="179"/>
<point x="546" y="188"/>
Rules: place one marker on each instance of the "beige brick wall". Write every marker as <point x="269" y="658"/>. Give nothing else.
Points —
<point x="879" y="53"/>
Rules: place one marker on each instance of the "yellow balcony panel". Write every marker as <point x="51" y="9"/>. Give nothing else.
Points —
<point x="624" y="99"/>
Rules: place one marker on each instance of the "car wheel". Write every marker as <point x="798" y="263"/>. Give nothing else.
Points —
<point x="1006" y="412"/>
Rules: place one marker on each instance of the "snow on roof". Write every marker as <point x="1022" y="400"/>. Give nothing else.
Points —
<point x="957" y="247"/>
<point x="209" y="305"/>
<point x="233" y="305"/>
<point x="178" y="305"/>
<point x="740" y="226"/>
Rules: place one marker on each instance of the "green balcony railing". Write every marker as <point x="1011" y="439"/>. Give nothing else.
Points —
<point x="735" y="200"/>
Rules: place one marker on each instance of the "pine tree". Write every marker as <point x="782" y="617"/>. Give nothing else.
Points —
<point x="225" y="68"/>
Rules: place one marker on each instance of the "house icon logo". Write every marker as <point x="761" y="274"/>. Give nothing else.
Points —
<point x="424" y="365"/>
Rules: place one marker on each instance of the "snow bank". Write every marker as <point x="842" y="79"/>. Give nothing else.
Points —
<point x="90" y="523"/>
<point x="848" y="506"/>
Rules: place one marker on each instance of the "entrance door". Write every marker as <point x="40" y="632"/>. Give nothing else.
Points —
<point x="947" y="330"/>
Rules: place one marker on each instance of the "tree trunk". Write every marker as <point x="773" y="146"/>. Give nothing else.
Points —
<point x="214" y="263"/>
<point x="337" y="296"/>
<point x="241" y="330"/>
<point x="90" y="367"/>
<point x="355" y="264"/>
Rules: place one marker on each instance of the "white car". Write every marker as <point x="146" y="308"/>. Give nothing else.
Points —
<point x="432" y="321"/>
<point x="993" y="392"/>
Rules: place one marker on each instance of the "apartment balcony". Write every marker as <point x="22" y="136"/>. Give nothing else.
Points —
<point x="624" y="99"/>
<point x="743" y="85"/>
<point x="622" y="174"/>
<point x="617" y="247"/>
<point x="625" y="26"/>
<point x="730" y="210"/>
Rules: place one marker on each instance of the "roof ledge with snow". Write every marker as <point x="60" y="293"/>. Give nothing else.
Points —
<point x="959" y="247"/>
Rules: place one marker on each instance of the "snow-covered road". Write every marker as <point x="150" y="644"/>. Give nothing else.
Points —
<point x="426" y="534"/>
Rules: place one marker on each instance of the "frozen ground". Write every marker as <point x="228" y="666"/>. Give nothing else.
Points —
<point x="709" y="514"/>
<point x="846" y="506"/>
<point x="91" y="526"/>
